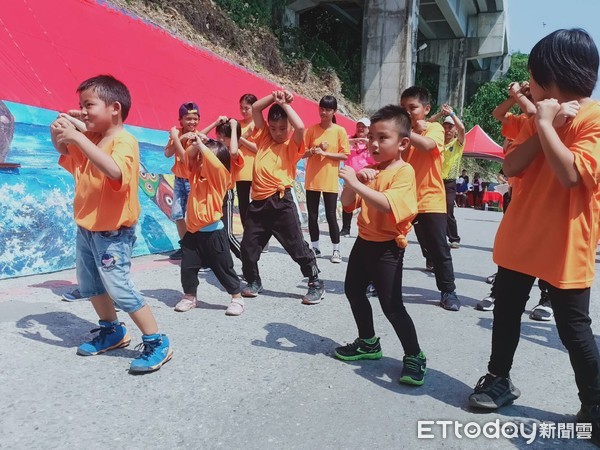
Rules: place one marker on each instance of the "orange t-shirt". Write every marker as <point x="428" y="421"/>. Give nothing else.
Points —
<point x="102" y="204"/>
<point x="208" y="184"/>
<point x="431" y="192"/>
<point x="275" y="164"/>
<point x="179" y="166"/>
<point x="321" y="171"/>
<point x="236" y="166"/>
<point x="550" y="232"/>
<point x="245" y="174"/>
<point x="512" y="125"/>
<point x="399" y="186"/>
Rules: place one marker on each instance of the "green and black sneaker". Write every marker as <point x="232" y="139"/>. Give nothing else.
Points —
<point x="360" y="349"/>
<point x="414" y="369"/>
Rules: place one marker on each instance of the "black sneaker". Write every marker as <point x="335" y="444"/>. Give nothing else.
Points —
<point x="490" y="279"/>
<point x="450" y="301"/>
<point x="176" y="255"/>
<point x="493" y="392"/>
<point x="252" y="289"/>
<point x="359" y="349"/>
<point x="487" y="304"/>
<point x="371" y="291"/>
<point x="414" y="369"/>
<point x="543" y="311"/>
<point x="316" y="292"/>
<point x="317" y="252"/>
<point x="591" y="414"/>
<point x="344" y="232"/>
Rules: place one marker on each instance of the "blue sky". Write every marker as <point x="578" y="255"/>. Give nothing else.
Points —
<point x="531" y="20"/>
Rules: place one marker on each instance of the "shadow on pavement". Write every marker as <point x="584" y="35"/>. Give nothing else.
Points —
<point x="288" y="338"/>
<point x="58" y="287"/>
<point x="70" y="331"/>
<point x="422" y="296"/>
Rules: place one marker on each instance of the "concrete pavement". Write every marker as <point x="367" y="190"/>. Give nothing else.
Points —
<point x="268" y="379"/>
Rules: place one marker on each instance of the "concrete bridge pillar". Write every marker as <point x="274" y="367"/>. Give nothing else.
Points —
<point x="389" y="42"/>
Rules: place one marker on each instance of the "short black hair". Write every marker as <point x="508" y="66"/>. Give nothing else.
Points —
<point x="109" y="90"/>
<point x="329" y="102"/>
<point x="397" y="114"/>
<point x="567" y="58"/>
<point x="224" y="129"/>
<point x="221" y="152"/>
<point x="418" y="92"/>
<point x="248" y="98"/>
<point x="276" y="113"/>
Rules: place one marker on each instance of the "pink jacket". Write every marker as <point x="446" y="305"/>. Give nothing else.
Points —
<point x="359" y="157"/>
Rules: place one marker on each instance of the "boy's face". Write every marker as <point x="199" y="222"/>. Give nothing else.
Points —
<point x="246" y="110"/>
<point x="97" y="115"/>
<point x="189" y="122"/>
<point x="416" y="109"/>
<point x="279" y="130"/>
<point x="385" y="143"/>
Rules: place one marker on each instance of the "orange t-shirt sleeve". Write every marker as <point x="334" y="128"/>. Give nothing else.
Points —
<point x="259" y="134"/>
<point x="343" y="142"/>
<point x="123" y="154"/>
<point x="74" y="159"/>
<point x="436" y="132"/>
<point x="586" y="151"/>
<point x="296" y="150"/>
<point x="353" y="206"/>
<point x="402" y="195"/>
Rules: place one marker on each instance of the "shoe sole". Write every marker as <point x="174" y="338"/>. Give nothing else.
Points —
<point x="123" y="343"/>
<point x="451" y="308"/>
<point x="185" y="310"/>
<point x="377" y="355"/>
<point x="412" y="381"/>
<point x="313" y="302"/>
<point x="336" y="261"/>
<point x="153" y="368"/>
<point x="483" y="308"/>
<point x="474" y="403"/>
<point x="250" y="294"/>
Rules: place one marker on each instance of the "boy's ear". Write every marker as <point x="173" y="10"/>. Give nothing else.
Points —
<point x="427" y="109"/>
<point x="404" y="143"/>
<point x="116" y="108"/>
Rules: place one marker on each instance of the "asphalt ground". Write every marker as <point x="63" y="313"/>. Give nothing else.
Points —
<point x="268" y="379"/>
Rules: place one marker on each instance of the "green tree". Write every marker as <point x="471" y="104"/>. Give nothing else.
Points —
<point x="489" y="95"/>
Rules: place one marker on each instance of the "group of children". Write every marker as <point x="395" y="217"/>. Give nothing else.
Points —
<point x="554" y="156"/>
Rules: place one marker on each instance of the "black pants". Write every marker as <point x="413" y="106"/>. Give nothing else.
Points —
<point x="430" y="229"/>
<point x="571" y="312"/>
<point x="207" y="249"/>
<point x="477" y="198"/>
<point x="346" y="220"/>
<point x="227" y="219"/>
<point x="275" y="216"/>
<point x="243" y="193"/>
<point x="381" y="263"/>
<point x="312" y="206"/>
<point x="452" y="231"/>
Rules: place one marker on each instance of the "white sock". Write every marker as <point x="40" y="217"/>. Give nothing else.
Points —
<point x="315" y="245"/>
<point x="336" y="247"/>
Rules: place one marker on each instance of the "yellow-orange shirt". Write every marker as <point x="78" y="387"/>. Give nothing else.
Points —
<point x="551" y="232"/>
<point x="431" y="193"/>
<point x="102" y="204"/>
<point x="321" y="171"/>
<point x="208" y="184"/>
<point x="179" y="166"/>
<point x="275" y="164"/>
<point x="512" y="125"/>
<point x="245" y="174"/>
<point x="399" y="186"/>
<point x="237" y="165"/>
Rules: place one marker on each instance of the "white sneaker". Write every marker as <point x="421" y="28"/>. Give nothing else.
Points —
<point x="336" y="258"/>
<point x="235" y="308"/>
<point x="186" y="303"/>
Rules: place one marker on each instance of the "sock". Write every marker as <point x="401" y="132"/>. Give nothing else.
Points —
<point x="336" y="247"/>
<point x="315" y="245"/>
<point x="371" y="341"/>
<point x="150" y="337"/>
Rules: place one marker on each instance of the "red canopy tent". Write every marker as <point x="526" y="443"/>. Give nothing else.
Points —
<point x="479" y="145"/>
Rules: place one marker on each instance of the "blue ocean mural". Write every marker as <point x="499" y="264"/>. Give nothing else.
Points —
<point x="37" y="231"/>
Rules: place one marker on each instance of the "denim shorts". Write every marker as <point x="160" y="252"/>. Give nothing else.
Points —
<point x="181" y="192"/>
<point x="104" y="264"/>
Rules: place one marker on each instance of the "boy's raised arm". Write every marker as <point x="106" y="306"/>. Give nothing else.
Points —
<point x="286" y="103"/>
<point x="257" y="110"/>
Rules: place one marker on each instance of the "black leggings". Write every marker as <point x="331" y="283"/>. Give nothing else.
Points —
<point x="227" y="219"/>
<point x="243" y="193"/>
<point x="207" y="249"/>
<point x="380" y="262"/>
<point x="571" y="312"/>
<point x="312" y="206"/>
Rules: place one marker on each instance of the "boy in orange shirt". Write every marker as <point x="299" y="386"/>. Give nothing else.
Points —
<point x="189" y="115"/>
<point x="557" y="158"/>
<point x="273" y="211"/>
<point x="105" y="164"/>
<point x="206" y="243"/>
<point x="387" y="198"/>
<point x="425" y="156"/>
